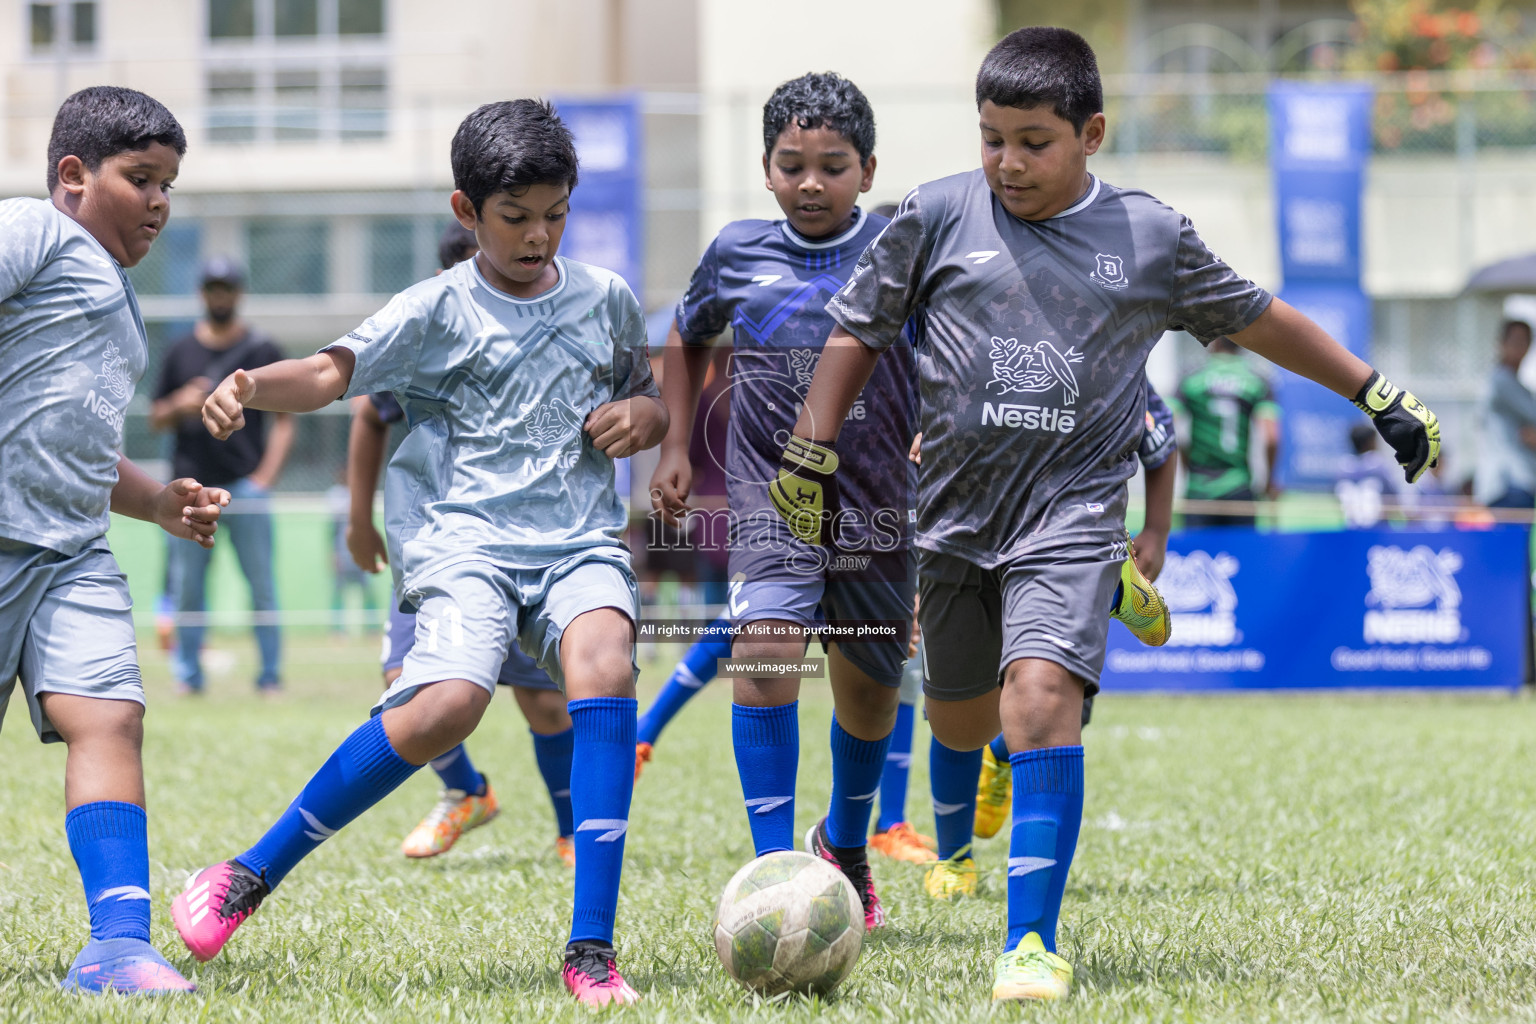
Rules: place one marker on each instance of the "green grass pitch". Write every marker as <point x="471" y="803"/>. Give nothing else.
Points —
<point x="1359" y="858"/>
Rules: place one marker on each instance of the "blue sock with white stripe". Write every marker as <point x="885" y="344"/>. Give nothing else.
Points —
<point x="856" y="768"/>
<point x="1047" y="813"/>
<point x="767" y="743"/>
<point x="363" y="770"/>
<point x="999" y="749"/>
<point x="690" y="676"/>
<point x="458" y="772"/>
<point x="898" y="763"/>
<point x="952" y="775"/>
<point x="111" y="850"/>
<point x="602" y="782"/>
<point x="553" y="754"/>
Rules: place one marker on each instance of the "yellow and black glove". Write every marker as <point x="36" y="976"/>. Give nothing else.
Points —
<point x="1404" y="422"/>
<point x="805" y="490"/>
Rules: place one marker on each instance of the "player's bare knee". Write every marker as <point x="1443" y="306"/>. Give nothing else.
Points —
<point x="440" y="715"/>
<point x="544" y="709"/>
<point x="94" y="720"/>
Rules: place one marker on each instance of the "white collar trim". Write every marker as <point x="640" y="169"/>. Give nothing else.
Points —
<point x="1083" y="203"/>
<point x="560" y="267"/>
<point x="800" y="241"/>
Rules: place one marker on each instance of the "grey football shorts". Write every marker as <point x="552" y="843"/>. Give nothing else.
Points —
<point x="66" y="626"/>
<point x="976" y="621"/>
<point x="517" y="670"/>
<point x="470" y="614"/>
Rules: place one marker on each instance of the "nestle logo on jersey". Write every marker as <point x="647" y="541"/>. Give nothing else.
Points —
<point x="1027" y="417"/>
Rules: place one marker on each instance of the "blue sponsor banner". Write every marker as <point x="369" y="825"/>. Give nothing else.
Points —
<point x="1315" y="451"/>
<point x="1360" y="608"/>
<point x="606" y="225"/>
<point x="1320" y="140"/>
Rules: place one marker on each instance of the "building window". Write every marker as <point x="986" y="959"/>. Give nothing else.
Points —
<point x="288" y="256"/>
<point x="296" y="71"/>
<point x="171" y="267"/>
<point x="62" y="26"/>
<point x="391" y="255"/>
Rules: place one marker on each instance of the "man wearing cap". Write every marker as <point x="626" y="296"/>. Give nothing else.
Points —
<point x="247" y="465"/>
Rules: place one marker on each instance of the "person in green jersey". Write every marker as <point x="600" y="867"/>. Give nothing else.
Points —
<point x="1222" y="401"/>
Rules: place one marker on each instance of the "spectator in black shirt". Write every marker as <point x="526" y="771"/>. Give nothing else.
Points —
<point x="247" y="465"/>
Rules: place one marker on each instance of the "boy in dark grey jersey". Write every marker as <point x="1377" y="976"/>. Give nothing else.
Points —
<point x="1041" y="290"/>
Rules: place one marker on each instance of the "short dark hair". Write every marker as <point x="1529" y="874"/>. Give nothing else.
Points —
<point x="510" y="146"/>
<point x="105" y="120"/>
<point x="456" y="244"/>
<point x="1508" y="327"/>
<point x="1036" y="67"/>
<point x="825" y="100"/>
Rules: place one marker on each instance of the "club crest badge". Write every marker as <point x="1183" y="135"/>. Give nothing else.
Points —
<point x="1108" y="272"/>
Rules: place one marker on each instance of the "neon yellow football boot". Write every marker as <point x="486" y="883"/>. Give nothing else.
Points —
<point x="953" y="877"/>
<point x="994" y="795"/>
<point x="1029" y="972"/>
<point x="1141" y="607"/>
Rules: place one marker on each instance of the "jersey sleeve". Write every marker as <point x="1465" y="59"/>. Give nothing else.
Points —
<point x="883" y="293"/>
<point x="387" y="346"/>
<point x="31" y="239"/>
<point x="632" y="376"/>
<point x="702" y="314"/>
<point x="1208" y="298"/>
<point x="1157" y="440"/>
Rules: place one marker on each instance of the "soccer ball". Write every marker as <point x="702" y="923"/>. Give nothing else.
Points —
<point x="789" y="922"/>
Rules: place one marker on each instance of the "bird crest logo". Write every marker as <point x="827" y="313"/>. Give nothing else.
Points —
<point x="1108" y="271"/>
<point x="551" y="423"/>
<point x="803" y="361"/>
<point x="1018" y="367"/>
<point x="114" y="373"/>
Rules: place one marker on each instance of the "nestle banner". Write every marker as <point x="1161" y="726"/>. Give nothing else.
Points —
<point x="1319" y="142"/>
<point x="1362" y="608"/>
<point x="606" y="224"/>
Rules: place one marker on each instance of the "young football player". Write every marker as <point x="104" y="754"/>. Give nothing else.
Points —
<point x="1033" y="399"/>
<point x="467" y="800"/>
<point x="523" y="376"/>
<point x="72" y="350"/>
<point x="768" y="280"/>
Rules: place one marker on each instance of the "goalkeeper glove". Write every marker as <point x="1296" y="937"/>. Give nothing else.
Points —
<point x="1404" y="422"/>
<point x="805" y="490"/>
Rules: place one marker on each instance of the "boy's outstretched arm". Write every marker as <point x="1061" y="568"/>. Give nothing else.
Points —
<point x="289" y="385"/>
<point x="1150" y="548"/>
<point x="1287" y="338"/>
<point x="182" y="508"/>
<point x="805" y="491"/>
<point x="841" y="373"/>
<point x="682" y="380"/>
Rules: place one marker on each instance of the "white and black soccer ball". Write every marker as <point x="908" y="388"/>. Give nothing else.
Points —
<point x="789" y="922"/>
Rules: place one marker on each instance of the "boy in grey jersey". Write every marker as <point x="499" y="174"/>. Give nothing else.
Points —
<point x="523" y="377"/>
<point x="72" y="348"/>
<point x="1042" y="290"/>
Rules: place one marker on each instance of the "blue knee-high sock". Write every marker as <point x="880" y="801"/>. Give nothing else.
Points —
<point x="1047" y="813"/>
<point x="689" y="677"/>
<point x="553" y="753"/>
<point x="856" y="768"/>
<point x="767" y="742"/>
<point x="458" y="772"/>
<point x="108" y="840"/>
<point x="898" y="763"/>
<point x="999" y="749"/>
<point x="363" y="770"/>
<point x="602" y="783"/>
<point x="952" y="774"/>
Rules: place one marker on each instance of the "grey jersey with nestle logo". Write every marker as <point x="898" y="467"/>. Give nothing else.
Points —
<point x="71" y="350"/>
<point x="1033" y="341"/>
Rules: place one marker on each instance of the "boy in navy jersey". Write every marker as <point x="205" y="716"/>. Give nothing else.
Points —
<point x="768" y="281"/>
<point x="1041" y="290"/>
